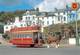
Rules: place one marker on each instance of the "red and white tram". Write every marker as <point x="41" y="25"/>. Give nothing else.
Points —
<point x="25" y="36"/>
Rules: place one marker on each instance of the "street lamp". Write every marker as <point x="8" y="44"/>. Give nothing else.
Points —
<point x="77" y="37"/>
<point x="75" y="7"/>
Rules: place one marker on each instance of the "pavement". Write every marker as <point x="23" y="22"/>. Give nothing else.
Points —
<point x="39" y="51"/>
<point x="60" y="46"/>
<point x="5" y="43"/>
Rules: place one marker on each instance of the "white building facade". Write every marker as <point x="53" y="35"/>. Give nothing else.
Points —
<point x="44" y="21"/>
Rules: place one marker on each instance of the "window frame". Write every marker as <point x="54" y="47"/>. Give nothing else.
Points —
<point x="64" y="18"/>
<point x="6" y="27"/>
<point x="47" y="22"/>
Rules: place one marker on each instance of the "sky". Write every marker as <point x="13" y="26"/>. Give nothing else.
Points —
<point x="43" y="5"/>
<point x="12" y="5"/>
<point x="49" y="5"/>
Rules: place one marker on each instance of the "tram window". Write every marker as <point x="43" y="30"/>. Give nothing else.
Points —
<point x="28" y="35"/>
<point x="25" y="35"/>
<point x="17" y="35"/>
<point x="22" y="35"/>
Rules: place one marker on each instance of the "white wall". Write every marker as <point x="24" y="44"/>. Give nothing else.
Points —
<point x="61" y="19"/>
<point x="16" y="19"/>
<point x="72" y="41"/>
<point x="8" y="27"/>
<point x="24" y="21"/>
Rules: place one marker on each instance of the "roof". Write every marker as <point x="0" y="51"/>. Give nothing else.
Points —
<point x="23" y="29"/>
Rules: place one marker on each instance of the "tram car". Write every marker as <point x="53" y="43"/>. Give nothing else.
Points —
<point x="25" y="36"/>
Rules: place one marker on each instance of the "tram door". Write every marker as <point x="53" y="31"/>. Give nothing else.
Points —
<point x="37" y="36"/>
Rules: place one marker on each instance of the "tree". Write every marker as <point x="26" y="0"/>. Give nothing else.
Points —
<point x="9" y="16"/>
<point x="4" y="17"/>
<point x="19" y="12"/>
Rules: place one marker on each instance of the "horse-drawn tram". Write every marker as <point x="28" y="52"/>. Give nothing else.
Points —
<point x="29" y="36"/>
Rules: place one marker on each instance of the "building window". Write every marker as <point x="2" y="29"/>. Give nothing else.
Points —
<point x="43" y="22"/>
<point x="47" y="22"/>
<point x="24" y="24"/>
<point x="33" y="18"/>
<point x="29" y="23"/>
<point x="21" y="25"/>
<point x="20" y="18"/>
<point x="38" y="18"/>
<point x="27" y="18"/>
<point x="42" y="18"/>
<point x="59" y="18"/>
<point x="6" y="27"/>
<point x="64" y="18"/>
<point x="52" y="22"/>
<point x="47" y="17"/>
<point x="64" y="13"/>
<point x="33" y="23"/>
<point x="58" y="13"/>
<point x="52" y="17"/>
<point x="11" y="27"/>
<point x="15" y="26"/>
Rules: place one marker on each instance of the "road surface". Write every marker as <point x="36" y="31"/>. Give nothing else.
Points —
<point x="39" y="51"/>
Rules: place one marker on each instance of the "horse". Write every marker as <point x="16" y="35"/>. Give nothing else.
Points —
<point x="39" y="42"/>
<point x="54" y="40"/>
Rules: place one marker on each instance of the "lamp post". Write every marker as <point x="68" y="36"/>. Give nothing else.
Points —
<point x="77" y="37"/>
<point x="75" y="7"/>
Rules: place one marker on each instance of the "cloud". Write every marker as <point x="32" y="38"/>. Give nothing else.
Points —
<point x="49" y="5"/>
<point x="33" y="2"/>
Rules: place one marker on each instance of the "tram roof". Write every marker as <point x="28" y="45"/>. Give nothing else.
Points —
<point x="26" y="29"/>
